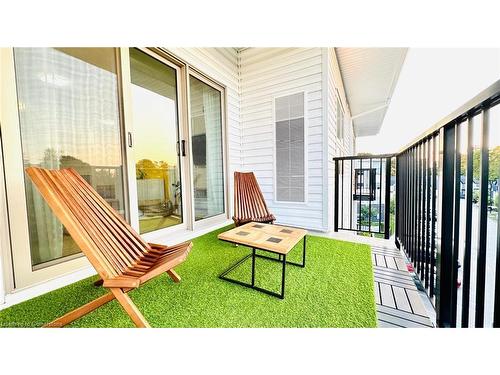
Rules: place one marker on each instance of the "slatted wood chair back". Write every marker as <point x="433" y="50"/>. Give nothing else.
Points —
<point x="249" y="202"/>
<point x="109" y="242"/>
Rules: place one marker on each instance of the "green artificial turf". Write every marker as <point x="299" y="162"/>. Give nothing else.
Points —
<point x="335" y="289"/>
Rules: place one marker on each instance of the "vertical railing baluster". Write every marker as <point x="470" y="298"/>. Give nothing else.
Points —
<point x="496" y="307"/>
<point x="342" y="195"/>
<point x="407" y="200"/>
<point x="466" y="267"/>
<point x="410" y="203"/>
<point x="359" y="193"/>
<point x="397" y="210"/>
<point x="456" y="226"/>
<point x="483" y="222"/>
<point x="387" y="213"/>
<point x="351" y="196"/>
<point x="428" y="220"/>
<point x="370" y="197"/>
<point x="336" y="198"/>
<point x="435" y="159"/>
<point x="419" y="210"/>
<point x="445" y="250"/>
<point x="414" y="208"/>
<point x="424" y="212"/>
<point x="380" y="196"/>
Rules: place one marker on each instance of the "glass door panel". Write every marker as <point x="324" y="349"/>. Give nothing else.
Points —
<point x="69" y="117"/>
<point x="156" y="146"/>
<point x="206" y="130"/>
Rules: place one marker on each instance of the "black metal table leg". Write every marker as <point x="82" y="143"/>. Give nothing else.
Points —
<point x="283" y="272"/>
<point x="304" y="252"/>
<point x="253" y="266"/>
<point x="281" y="258"/>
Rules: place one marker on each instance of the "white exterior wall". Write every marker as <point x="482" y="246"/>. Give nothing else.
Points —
<point x="221" y="65"/>
<point x="265" y="74"/>
<point x="336" y="146"/>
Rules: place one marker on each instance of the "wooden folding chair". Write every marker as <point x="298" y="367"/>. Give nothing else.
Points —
<point x="120" y="256"/>
<point x="249" y="203"/>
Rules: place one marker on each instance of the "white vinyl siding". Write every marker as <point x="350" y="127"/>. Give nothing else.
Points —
<point x="268" y="73"/>
<point x="290" y="148"/>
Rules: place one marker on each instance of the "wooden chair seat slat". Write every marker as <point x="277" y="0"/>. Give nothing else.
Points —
<point x="103" y="239"/>
<point x="249" y="202"/>
<point x="78" y="232"/>
<point x="122" y="224"/>
<point x="168" y="262"/>
<point x="117" y="237"/>
<point x="70" y="208"/>
<point x="120" y="256"/>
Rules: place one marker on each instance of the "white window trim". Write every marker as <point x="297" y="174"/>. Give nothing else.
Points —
<point x="306" y="159"/>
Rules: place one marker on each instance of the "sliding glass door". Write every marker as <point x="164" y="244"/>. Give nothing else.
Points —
<point x="207" y="155"/>
<point x="156" y="144"/>
<point x="67" y="117"/>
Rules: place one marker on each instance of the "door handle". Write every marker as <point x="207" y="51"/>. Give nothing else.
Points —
<point x="183" y="147"/>
<point x="129" y="134"/>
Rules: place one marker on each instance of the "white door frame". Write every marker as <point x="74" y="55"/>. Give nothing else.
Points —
<point x="212" y="220"/>
<point x="184" y="164"/>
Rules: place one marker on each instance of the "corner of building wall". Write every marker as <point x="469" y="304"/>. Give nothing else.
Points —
<point x="238" y="67"/>
<point x="325" y="61"/>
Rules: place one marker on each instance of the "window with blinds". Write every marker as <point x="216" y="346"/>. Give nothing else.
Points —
<point x="290" y="148"/>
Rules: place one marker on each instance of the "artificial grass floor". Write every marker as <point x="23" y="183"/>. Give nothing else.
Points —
<point x="335" y="289"/>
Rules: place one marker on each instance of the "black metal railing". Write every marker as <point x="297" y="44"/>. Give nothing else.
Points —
<point x="447" y="219"/>
<point x="447" y="204"/>
<point x="362" y="194"/>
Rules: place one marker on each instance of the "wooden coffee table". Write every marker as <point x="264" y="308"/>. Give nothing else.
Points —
<point x="274" y="239"/>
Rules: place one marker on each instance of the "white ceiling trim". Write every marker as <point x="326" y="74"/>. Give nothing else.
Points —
<point x="369" y="76"/>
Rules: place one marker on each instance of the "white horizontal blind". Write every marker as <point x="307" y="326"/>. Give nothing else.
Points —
<point x="290" y="149"/>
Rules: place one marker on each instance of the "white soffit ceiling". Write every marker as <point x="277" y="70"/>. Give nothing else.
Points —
<point x="369" y="76"/>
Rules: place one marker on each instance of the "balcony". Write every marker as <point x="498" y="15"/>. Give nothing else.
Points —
<point x="444" y="211"/>
<point x="415" y="245"/>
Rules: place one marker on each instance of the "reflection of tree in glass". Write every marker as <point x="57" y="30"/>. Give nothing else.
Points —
<point x="148" y="169"/>
<point x="50" y="159"/>
<point x="493" y="173"/>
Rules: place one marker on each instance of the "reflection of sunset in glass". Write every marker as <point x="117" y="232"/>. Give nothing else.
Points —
<point x="155" y="144"/>
<point x="157" y="113"/>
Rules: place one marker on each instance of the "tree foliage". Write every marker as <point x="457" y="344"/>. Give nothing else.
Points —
<point x="493" y="168"/>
